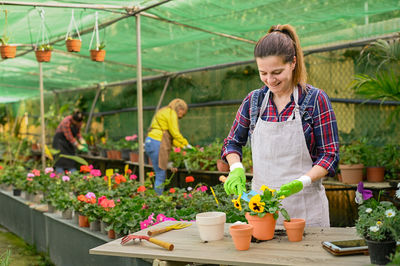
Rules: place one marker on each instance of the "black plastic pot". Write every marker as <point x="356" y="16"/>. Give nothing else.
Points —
<point x="16" y="192"/>
<point x="379" y="251"/>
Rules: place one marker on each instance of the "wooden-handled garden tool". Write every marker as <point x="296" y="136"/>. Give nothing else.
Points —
<point x="158" y="242"/>
<point x="167" y="228"/>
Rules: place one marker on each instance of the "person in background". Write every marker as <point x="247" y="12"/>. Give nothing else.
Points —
<point x="67" y="139"/>
<point x="292" y="129"/>
<point x="164" y="133"/>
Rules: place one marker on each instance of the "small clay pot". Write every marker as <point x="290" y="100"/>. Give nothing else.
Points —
<point x="83" y="221"/>
<point x="295" y="229"/>
<point x="241" y="235"/>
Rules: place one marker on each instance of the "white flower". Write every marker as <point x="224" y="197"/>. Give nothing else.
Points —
<point x="398" y="191"/>
<point x="379" y="223"/>
<point x="368" y="210"/>
<point x="390" y="213"/>
<point x="374" y="228"/>
<point x="189" y="188"/>
<point x="359" y="198"/>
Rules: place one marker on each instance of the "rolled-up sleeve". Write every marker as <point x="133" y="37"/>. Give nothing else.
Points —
<point x="326" y="134"/>
<point x="238" y="134"/>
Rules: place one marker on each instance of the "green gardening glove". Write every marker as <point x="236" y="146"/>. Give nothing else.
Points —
<point x="294" y="186"/>
<point x="82" y="148"/>
<point x="236" y="182"/>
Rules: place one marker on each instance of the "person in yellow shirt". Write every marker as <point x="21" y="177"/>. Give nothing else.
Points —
<point x="164" y="131"/>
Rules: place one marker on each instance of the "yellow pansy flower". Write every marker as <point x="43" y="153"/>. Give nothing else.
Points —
<point x="237" y="204"/>
<point x="256" y="205"/>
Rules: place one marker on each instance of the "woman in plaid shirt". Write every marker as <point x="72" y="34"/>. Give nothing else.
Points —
<point x="292" y="128"/>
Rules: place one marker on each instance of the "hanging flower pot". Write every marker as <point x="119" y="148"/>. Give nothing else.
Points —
<point x="264" y="228"/>
<point x="73" y="45"/>
<point x="43" y="56"/>
<point x="294" y="229"/>
<point x="8" y="51"/>
<point x="97" y="55"/>
<point x="241" y="235"/>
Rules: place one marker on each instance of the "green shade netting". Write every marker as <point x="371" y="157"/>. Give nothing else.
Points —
<point x="167" y="45"/>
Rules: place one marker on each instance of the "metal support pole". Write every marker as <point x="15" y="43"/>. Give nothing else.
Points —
<point x="92" y="108"/>
<point x="43" y="136"/>
<point x="139" y="100"/>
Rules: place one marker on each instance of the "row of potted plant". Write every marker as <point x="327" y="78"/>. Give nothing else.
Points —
<point x="381" y="162"/>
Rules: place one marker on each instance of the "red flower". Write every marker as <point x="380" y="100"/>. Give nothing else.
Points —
<point x="172" y="190"/>
<point x="150" y="174"/>
<point x="129" y="171"/>
<point x="189" y="179"/>
<point x="141" y="189"/>
<point x="81" y="198"/>
<point x="1" y="167"/>
<point x="85" y="169"/>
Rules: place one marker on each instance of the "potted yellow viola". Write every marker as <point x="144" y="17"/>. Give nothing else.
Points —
<point x="262" y="211"/>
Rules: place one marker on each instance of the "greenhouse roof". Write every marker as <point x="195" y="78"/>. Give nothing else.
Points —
<point x="176" y="36"/>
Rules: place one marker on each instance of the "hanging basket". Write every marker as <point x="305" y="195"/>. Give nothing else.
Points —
<point x="8" y="51"/>
<point x="43" y="56"/>
<point x="73" y="45"/>
<point x="97" y="55"/>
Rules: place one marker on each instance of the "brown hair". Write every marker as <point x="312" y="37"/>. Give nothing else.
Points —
<point x="282" y="40"/>
<point x="178" y="104"/>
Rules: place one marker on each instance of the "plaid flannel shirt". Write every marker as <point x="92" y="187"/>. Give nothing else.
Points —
<point x="65" y="128"/>
<point x="319" y="126"/>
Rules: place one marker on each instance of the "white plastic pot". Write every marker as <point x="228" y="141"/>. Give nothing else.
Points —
<point x="211" y="225"/>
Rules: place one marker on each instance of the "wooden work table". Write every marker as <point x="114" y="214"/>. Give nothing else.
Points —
<point x="278" y="251"/>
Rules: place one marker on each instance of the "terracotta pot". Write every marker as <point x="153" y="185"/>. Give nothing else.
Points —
<point x="97" y="55"/>
<point x="43" y="56"/>
<point x="351" y="173"/>
<point x="111" y="234"/>
<point x="222" y="166"/>
<point x="241" y="235"/>
<point x="134" y="157"/>
<point x="114" y="154"/>
<point x="375" y="174"/>
<point x="379" y="251"/>
<point x="8" y="51"/>
<point x="83" y="221"/>
<point x="264" y="228"/>
<point x="73" y="45"/>
<point x="295" y="229"/>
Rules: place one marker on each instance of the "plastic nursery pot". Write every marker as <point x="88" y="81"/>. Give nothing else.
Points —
<point x="241" y="235"/>
<point x="43" y="56"/>
<point x="73" y="45"/>
<point x="97" y="55"/>
<point x="295" y="229"/>
<point x="380" y="251"/>
<point x="211" y="225"/>
<point x="8" y="51"/>
<point x="264" y="228"/>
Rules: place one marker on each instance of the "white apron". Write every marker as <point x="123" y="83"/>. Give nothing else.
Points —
<point x="280" y="155"/>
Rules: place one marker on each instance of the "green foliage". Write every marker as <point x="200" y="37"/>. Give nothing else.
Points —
<point x="45" y="47"/>
<point x="4" y="40"/>
<point x="5" y="258"/>
<point x="352" y="153"/>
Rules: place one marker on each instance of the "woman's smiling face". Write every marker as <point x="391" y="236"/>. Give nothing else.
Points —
<point x="277" y="75"/>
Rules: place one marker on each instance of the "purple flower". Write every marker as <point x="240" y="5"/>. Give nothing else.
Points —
<point x="362" y="194"/>
<point x="65" y="178"/>
<point x="30" y="175"/>
<point x="90" y="195"/>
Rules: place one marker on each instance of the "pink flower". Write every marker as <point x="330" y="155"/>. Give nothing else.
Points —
<point x="95" y="172"/>
<point x="29" y="179"/>
<point x="201" y="149"/>
<point x="144" y="224"/>
<point x="52" y="175"/>
<point x="177" y="149"/>
<point x="118" y="200"/>
<point x="101" y="199"/>
<point x="90" y="195"/>
<point x="160" y="218"/>
<point x="30" y="175"/>
<point x="48" y="170"/>
<point x="65" y="178"/>
<point x="133" y="177"/>
<point x="144" y="206"/>
<point x="202" y="188"/>
<point x="131" y="138"/>
<point x="36" y="172"/>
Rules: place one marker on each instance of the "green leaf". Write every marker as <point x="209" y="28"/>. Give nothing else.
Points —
<point x="285" y="214"/>
<point x="75" y="158"/>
